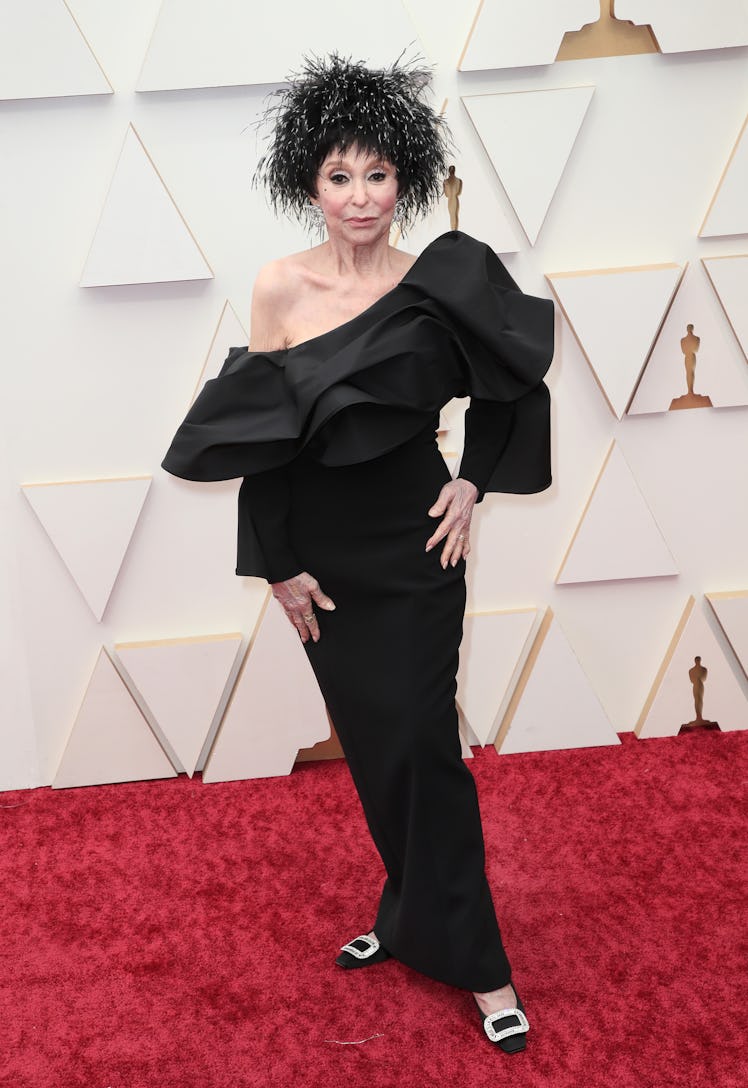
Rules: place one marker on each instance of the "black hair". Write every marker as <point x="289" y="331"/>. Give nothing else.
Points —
<point x="335" y="102"/>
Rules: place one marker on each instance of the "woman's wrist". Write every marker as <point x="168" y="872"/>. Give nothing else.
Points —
<point x="465" y="480"/>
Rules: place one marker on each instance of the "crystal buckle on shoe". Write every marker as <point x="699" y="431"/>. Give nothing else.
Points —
<point x="373" y="945"/>
<point x="515" y="1029"/>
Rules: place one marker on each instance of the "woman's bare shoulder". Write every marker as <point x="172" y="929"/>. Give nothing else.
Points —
<point x="275" y="279"/>
<point x="276" y="287"/>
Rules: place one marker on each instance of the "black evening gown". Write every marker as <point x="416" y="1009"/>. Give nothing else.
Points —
<point x="335" y="440"/>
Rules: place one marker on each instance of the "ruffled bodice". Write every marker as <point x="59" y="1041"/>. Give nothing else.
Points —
<point x="456" y="325"/>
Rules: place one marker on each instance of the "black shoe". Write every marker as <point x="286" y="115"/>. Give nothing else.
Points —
<point x="362" y="952"/>
<point x="507" y="1028"/>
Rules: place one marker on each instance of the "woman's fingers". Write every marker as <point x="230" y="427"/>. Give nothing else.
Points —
<point x="456" y="500"/>
<point x="455" y="534"/>
<point x="321" y="598"/>
<point x="304" y="620"/>
<point x="456" y="547"/>
<point x="297" y="596"/>
<point x="311" y="627"/>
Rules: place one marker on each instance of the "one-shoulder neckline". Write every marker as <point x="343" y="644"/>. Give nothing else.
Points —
<point x="402" y="282"/>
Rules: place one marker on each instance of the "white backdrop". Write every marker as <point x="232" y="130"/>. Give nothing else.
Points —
<point x="96" y="379"/>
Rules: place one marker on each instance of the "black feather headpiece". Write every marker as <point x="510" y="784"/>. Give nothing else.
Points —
<point x="335" y="102"/>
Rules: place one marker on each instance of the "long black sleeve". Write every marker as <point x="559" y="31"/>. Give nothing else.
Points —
<point x="263" y="545"/>
<point x="488" y="426"/>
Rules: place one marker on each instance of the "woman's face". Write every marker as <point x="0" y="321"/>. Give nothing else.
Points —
<point x="357" y="191"/>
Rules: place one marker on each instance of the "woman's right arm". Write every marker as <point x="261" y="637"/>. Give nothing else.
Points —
<point x="265" y="498"/>
<point x="264" y="506"/>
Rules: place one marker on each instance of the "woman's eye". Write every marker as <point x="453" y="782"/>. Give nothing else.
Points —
<point x="337" y="179"/>
<point x="377" y="175"/>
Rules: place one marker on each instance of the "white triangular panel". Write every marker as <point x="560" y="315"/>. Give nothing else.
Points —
<point x="90" y="523"/>
<point x="671" y="701"/>
<point x="451" y="459"/>
<point x="681" y="25"/>
<point x="466" y="739"/>
<point x="721" y="373"/>
<point x="181" y="682"/>
<point x="528" y="136"/>
<point x="453" y="414"/>
<point x="615" y="315"/>
<point x="731" y="609"/>
<point x="480" y="209"/>
<point x="269" y="719"/>
<point x="510" y="35"/>
<point x="229" y="332"/>
<point x="729" y="277"/>
<point x="110" y="741"/>
<point x="728" y="212"/>
<point x="617" y="536"/>
<point x="494" y="645"/>
<point x="226" y="43"/>
<point x="43" y="53"/>
<point x="142" y="236"/>
<point x="554" y="706"/>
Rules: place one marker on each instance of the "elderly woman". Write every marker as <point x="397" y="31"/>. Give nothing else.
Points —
<point x="347" y="507"/>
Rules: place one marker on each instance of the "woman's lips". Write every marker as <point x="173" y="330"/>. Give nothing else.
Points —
<point x="360" y="220"/>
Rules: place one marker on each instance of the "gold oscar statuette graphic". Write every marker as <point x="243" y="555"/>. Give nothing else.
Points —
<point x="608" y="37"/>
<point x="689" y="345"/>
<point x="452" y="191"/>
<point x="697" y="674"/>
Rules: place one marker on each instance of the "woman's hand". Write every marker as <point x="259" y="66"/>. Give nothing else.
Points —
<point x="456" y="501"/>
<point x="297" y="597"/>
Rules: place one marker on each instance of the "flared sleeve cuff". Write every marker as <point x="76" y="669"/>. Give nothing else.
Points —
<point x="264" y="549"/>
<point x="524" y="463"/>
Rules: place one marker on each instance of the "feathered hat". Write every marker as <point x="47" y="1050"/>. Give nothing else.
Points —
<point x="335" y="102"/>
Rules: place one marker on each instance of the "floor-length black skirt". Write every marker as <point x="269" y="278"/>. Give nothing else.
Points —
<point x="386" y="663"/>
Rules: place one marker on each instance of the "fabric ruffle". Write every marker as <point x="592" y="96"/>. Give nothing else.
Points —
<point x="456" y="325"/>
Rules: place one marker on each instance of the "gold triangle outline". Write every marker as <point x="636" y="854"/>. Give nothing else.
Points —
<point x="723" y="175"/>
<point x="100" y="480"/>
<point x="239" y="675"/>
<point x="91" y="51"/>
<point x="92" y="480"/>
<point x="706" y="261"/>
<point x="664" y="664"/>
<point x="162" y="643"/>
<point x="551" y="276"/>
<point x="524" y="676"/>
<point x="226" y="306"/>
<point x="103" y="650"/>
<point x="728" y="595"/>
<point x="469" y="38"/>
<point x="530" y="90"/>
<point x="523" y="654"/>
<point x="587" y="505"/>
<point x="168" y="193"/>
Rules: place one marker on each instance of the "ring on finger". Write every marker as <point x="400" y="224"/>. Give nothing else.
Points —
<point x="309" y="618"/>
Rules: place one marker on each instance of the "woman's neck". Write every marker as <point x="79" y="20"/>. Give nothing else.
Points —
<point x="370" y="260"/>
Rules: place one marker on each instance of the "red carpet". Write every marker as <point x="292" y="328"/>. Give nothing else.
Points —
<point x="176" y="935"/>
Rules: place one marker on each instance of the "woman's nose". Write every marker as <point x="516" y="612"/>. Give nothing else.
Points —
<point x="358" y="192"/>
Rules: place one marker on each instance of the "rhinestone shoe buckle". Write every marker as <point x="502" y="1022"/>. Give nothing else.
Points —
<point x="362" y="954"/>
<point x="515" y="1029"/>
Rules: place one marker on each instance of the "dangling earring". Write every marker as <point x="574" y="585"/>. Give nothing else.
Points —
<point x="316" y="216"/>
<point x="399" y="212"/>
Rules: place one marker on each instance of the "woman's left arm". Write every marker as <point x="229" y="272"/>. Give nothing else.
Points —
<point x="488" y="425"/>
